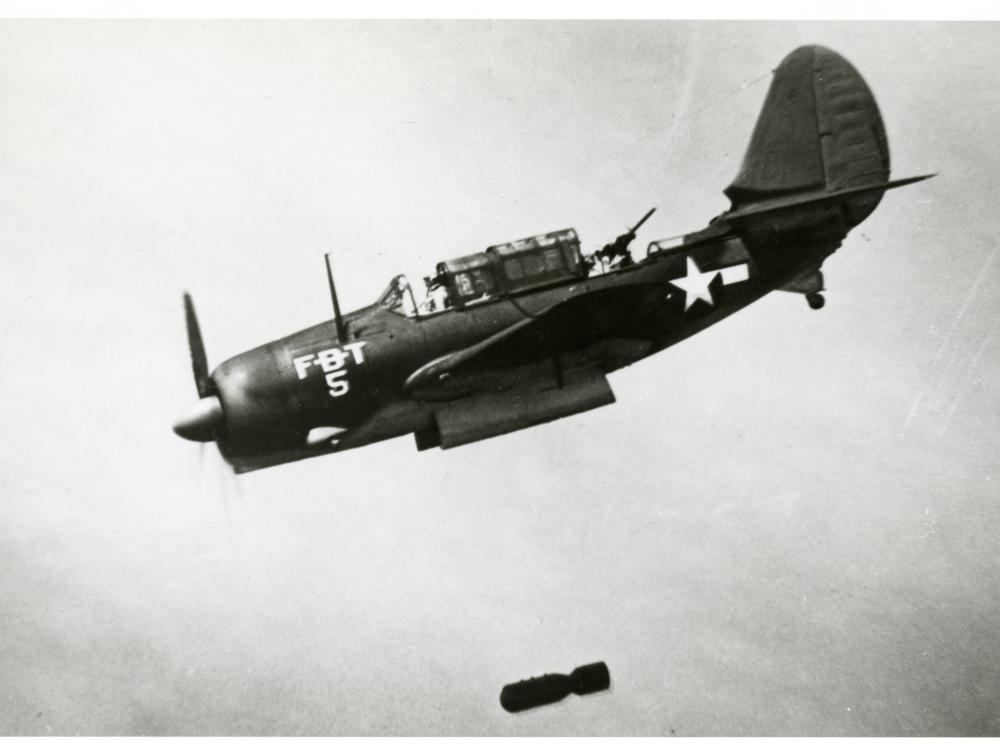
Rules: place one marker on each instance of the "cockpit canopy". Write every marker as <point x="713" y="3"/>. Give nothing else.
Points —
<point x="397" y="296"/>
<point x="510" y="268"/>
<point x="513" y="267"/>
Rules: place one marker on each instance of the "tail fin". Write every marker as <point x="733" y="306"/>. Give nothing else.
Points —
<point x="819" y="132"/>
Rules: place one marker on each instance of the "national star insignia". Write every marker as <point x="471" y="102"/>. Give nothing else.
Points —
<point x="695" y="284"/>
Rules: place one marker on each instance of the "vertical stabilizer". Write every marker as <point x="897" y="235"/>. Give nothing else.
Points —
<point x="820" y="131"/>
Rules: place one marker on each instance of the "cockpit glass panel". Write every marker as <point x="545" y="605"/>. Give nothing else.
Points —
<point x="483" y="281"/>
<point x="397" y="297"/>
<point x="392" y="296"/>
<point x="532" y="264"/>
<point x="554" y="259"/>
<point x="464" y="284"/>
<point x="512" y="267"/>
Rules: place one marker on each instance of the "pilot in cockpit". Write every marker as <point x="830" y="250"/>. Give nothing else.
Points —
<point x="437" y="294"/>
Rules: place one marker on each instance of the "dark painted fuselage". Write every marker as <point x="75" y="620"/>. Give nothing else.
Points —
<point x="276" y="394"/>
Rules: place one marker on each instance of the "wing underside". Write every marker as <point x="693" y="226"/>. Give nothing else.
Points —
<point x="540" y="369"/>
<point x="570" y="326"/>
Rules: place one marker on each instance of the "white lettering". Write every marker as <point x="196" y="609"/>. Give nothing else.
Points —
<point x="331" y="359"/>
<point x="355" y="350"/>
<point x="302" y="364"/>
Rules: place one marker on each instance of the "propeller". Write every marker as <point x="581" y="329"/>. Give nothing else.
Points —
<point x="199" y="360"/>
<point x="201" y="420"/>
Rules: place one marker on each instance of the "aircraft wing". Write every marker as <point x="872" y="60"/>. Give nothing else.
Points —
<point x="570" y="325"/>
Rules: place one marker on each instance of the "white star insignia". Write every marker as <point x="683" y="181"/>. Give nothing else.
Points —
<point x="695" y="284"/>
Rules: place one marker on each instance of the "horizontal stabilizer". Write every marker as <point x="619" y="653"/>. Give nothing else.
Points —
<point x="815" y="199"/>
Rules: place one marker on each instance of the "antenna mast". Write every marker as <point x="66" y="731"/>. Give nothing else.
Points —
<point x="338" y="320"/>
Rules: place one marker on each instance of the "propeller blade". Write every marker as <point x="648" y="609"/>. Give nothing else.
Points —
<point x="199" y="360"/>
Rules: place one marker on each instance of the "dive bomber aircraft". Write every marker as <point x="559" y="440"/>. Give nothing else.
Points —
<point x="526" y="332"/>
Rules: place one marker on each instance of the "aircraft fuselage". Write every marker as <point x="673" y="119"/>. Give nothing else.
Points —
<point x="277" y="394"/>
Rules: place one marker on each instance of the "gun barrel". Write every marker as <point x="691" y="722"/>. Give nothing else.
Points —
<point x="642" y="220"/>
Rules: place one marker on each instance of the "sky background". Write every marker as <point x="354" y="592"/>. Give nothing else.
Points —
<point x="786" y="525"/>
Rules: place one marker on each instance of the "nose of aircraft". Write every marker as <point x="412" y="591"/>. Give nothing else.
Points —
<point x="199" y="420"/>
<point x="246" y="405"/>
